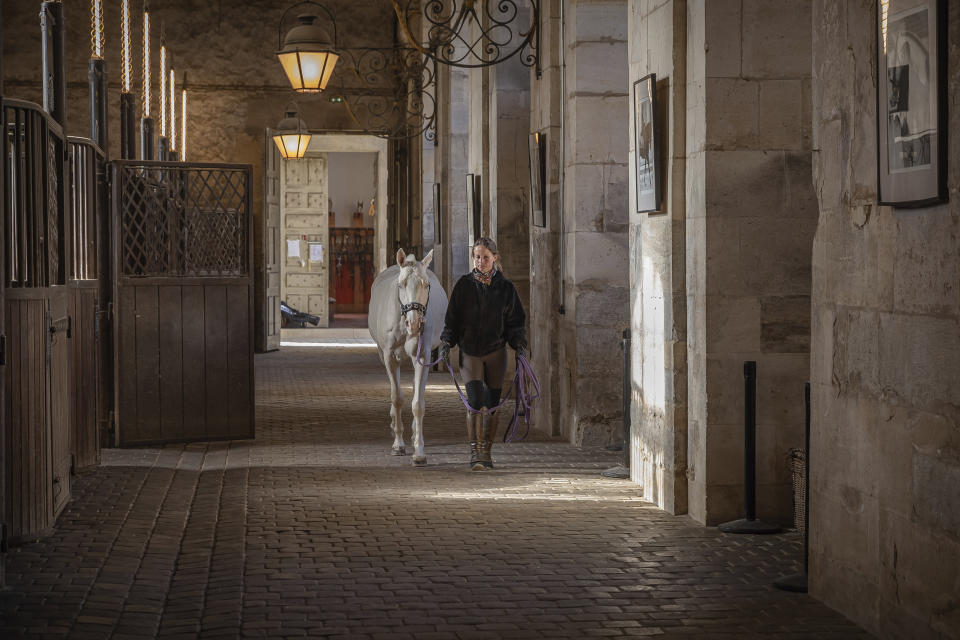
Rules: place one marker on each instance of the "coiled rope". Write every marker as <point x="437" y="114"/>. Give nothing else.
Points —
<point x="525" y="385"/>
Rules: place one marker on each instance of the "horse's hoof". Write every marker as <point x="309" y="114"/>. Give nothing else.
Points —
<point x="398" y="451"/>
<point x="419" y="461"/>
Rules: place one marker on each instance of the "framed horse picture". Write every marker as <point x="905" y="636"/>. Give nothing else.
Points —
<point x="912" y="102"/>
<point x="646" y="143"/>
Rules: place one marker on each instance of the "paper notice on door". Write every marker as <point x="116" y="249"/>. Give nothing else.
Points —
<point x="293" y="248"/>
<point x="316" y="252"/>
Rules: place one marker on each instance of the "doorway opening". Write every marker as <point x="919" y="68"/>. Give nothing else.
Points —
<point x="331" y="236"/>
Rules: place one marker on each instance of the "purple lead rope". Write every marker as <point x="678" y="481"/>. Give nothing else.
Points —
<point x="525" y="383"/>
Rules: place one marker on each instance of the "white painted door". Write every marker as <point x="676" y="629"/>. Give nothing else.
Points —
<point x="305" y="282"/>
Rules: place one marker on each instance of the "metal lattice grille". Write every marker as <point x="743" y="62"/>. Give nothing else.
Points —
<point x="183" y="220"/>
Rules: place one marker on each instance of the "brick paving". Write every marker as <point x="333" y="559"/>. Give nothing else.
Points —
<point x="314" y="531"/>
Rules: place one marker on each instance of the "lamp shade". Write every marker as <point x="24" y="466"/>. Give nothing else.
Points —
<point x="307" y="56"/>
<point x="291" y="136"/>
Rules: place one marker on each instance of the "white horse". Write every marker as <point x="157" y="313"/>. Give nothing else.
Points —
<point x="407" y="301"/>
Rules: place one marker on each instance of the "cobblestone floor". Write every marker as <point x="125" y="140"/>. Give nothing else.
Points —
<point x="314" y="530"/>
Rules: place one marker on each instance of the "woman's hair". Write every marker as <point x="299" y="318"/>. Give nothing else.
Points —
<point x="491" y="245"/>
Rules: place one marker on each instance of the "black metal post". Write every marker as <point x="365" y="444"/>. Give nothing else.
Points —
<point x="750" y="440"/>
<point x="749" y="523"/>
<point x="98" y="103"/>
<point x="163" y="147"/>
<point x="806" y="482"/>
<point x="128" y="142"/>
<point x="146" y="139"/>
<point x="622" y="470"/>
<point x="798" y="581"/>
<point x="54" y="71"/>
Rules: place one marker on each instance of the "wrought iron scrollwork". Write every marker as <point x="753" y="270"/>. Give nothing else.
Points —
<point x="472" y="33"/>
<point x="388" y="92"/>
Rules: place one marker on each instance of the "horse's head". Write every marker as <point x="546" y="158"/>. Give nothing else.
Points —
<point x="413" y="290"/>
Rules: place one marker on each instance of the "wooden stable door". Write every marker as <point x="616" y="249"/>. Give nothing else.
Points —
<point x="305" y="235"/>
<point x="184" y="302"/>
<point x="38" y="406"/>
<point x="267" y="251"/>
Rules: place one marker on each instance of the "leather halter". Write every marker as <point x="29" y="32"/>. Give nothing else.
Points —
<point x="414" y="306"/>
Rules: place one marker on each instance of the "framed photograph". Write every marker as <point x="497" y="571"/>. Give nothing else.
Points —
<point x="646" y="143"/>
<point x="538" y="179"/>
<point x="912" y="102"/>
<point x="437" y="215"/>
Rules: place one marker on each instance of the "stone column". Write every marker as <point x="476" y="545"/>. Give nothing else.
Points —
<point x="658" y="41"/>
<point x="594" y="260"/>
<point x="750" y="218"/>
<point x="546" y="108"/>
<point x="509" y="217"/>
<point x="450" y="158"/>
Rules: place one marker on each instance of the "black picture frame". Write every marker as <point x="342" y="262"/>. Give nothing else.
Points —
<point x="646" y="145"/>
<point x="437" y="215"/>
<point x="477" y="206"/>
<point x="474" y="203"/>
<point x="538" y="178"/>
<point x="912" y="126"/>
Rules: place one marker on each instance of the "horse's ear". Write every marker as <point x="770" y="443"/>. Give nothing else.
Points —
<point x="427" y="258"/>
<point x="401" y="256"/>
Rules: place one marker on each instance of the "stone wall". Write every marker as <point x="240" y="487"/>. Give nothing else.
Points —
<point x="885" y="451"/>
<point x="594" y="256"/>
<point x="751" y="215"/>
<point x="658" y="318"/>
<point x="546" y="110"/>
<point x="510" y="171"/>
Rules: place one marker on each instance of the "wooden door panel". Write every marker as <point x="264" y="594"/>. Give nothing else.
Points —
<point x="305" y="197"/>
<point x="268" y="289"/>
<point x="171" y="363"/>
<point x="59" y="334"/>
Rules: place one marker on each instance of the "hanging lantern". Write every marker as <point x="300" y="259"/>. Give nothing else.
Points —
<point x="291" y="135"/>
<point x="307" y="53"/>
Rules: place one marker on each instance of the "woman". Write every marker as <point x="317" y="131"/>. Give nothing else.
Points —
<point x="483" y="316"/>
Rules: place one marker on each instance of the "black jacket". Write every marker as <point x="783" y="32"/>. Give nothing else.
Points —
<point x="481" y="318"/>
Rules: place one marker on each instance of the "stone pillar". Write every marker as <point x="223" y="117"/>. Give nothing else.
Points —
<point x="750" y="219"/>
<point x="658" y="41"/>
<point x="594" y="256"/>
<point x="509" y="216"/>
<point x="885" y="435"/>
<point x="546" y="108"/>
<point x="450" y="158"/>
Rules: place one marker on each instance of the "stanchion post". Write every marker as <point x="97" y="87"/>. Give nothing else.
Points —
<point x="54" y="70"/>
<point x="146" y="139"/>
<point x="128" y="141"/>
<point x="798" y="581"/>
<point x="749" y="522"/>
<point x="98" y="103"/>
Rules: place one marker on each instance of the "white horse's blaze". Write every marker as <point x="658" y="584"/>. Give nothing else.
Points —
<point x="408" y="282"/>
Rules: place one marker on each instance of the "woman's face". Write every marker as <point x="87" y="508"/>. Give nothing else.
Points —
<point x="483" y="259"/>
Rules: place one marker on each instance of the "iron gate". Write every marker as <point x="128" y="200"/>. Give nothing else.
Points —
<point x="182" y="238"/>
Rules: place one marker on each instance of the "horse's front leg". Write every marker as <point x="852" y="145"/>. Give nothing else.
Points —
<point x="396" y="400"/>
<point x="419" y="386"/>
